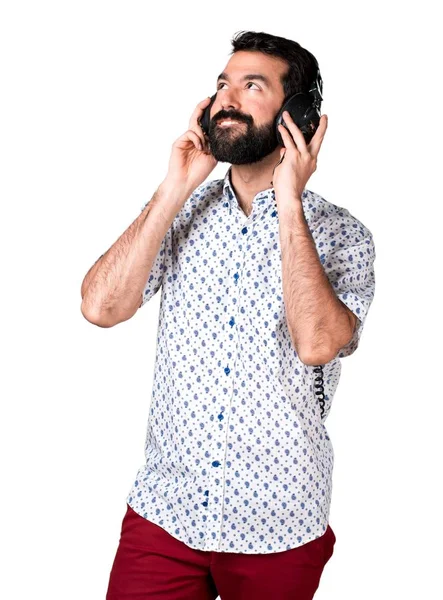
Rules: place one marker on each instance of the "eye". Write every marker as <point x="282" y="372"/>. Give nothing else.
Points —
<point x="249" y="82"/>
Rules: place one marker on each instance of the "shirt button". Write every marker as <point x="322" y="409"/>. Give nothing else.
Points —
<point x="227" y="370"/>
<point x="244" y="230"/>
<point x="215" y="463"/>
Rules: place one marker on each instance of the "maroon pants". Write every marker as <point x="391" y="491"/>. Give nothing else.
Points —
<point x="150" y="564"/>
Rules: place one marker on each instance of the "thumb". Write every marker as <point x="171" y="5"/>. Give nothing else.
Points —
<point x="282" y="155"/>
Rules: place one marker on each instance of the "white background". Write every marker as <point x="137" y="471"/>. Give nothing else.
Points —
<point x="93" y="96"/>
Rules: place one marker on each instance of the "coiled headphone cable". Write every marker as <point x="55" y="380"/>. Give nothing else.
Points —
<point x="320" y="386"/>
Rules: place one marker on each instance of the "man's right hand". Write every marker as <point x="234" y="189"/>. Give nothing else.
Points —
<point x="191" y="160"/>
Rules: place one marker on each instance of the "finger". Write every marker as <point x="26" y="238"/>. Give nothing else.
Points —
<point x="295" y="132"/>
<point x="196" y="139"/>
<point x="201" y="138"/>
<point x="198" y="113"/>
<point x="287" y="138"/>
<point x="317" y="139"/>
<point x="279" y="162"/>
<point x="194" y="123"/>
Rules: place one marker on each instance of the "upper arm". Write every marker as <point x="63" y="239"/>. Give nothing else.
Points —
<point x="352" y="317"/>
<point x="354" y="282"/>
<point x="347" y="255"/>
<point x="158" y="268"/>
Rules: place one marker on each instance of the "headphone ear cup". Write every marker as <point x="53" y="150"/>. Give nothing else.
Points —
<point x="205" y="120"/>
<point x="304" y="113"/>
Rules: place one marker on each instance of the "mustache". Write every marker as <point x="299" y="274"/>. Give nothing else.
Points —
<point x="226" y="115"/>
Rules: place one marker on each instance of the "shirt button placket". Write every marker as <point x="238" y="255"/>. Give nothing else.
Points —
<point x="232" y="323"/>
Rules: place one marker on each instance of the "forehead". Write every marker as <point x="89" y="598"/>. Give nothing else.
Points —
<point x="241" y="63"/>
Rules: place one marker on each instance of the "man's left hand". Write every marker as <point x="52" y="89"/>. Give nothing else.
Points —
<point x="297" y="160"/>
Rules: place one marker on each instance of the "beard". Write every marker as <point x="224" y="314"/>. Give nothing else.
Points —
<point x="242" y="143"/>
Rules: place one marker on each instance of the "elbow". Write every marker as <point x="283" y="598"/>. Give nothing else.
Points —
<point x="98" y="320"/>
<point x="320" y="355"/>
<point x="316" y="358"/>
<point x="107" y="319"/>
<point x="323" y="354"/>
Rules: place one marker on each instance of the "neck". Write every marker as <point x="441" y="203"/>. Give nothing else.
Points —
<point x="248" y="180"/>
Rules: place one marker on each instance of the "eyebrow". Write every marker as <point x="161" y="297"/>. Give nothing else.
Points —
<point x="257" y="76"/>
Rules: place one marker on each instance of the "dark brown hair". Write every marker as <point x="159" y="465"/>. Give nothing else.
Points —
<point x="302" y="63"/>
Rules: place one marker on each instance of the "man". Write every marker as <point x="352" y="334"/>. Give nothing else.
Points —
<point x="262" y="281"/>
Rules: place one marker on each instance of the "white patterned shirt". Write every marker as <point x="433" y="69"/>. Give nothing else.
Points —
<point x="238" y="458"/>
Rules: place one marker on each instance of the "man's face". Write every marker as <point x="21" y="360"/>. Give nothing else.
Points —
<point x="253" y="102"/>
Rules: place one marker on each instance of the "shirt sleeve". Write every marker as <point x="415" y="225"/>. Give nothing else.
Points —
<point x="350" y="270"/>
<point x="156" y="274"/>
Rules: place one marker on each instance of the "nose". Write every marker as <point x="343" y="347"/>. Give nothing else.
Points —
<point x="228" y="101"/>
<point x="230" y="106"/>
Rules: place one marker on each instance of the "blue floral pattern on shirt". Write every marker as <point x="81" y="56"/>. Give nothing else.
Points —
<point x="238" y="458"/>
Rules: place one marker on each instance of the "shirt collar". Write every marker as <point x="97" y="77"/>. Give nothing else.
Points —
<point x="228" y="192"/>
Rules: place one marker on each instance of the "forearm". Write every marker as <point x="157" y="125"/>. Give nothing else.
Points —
<point x="317" y="321"/>
<point x="90" y="276"/>
<point x="112" y="288"/>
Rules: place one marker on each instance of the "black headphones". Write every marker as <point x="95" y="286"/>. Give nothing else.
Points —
<point x="303" y="108"/>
